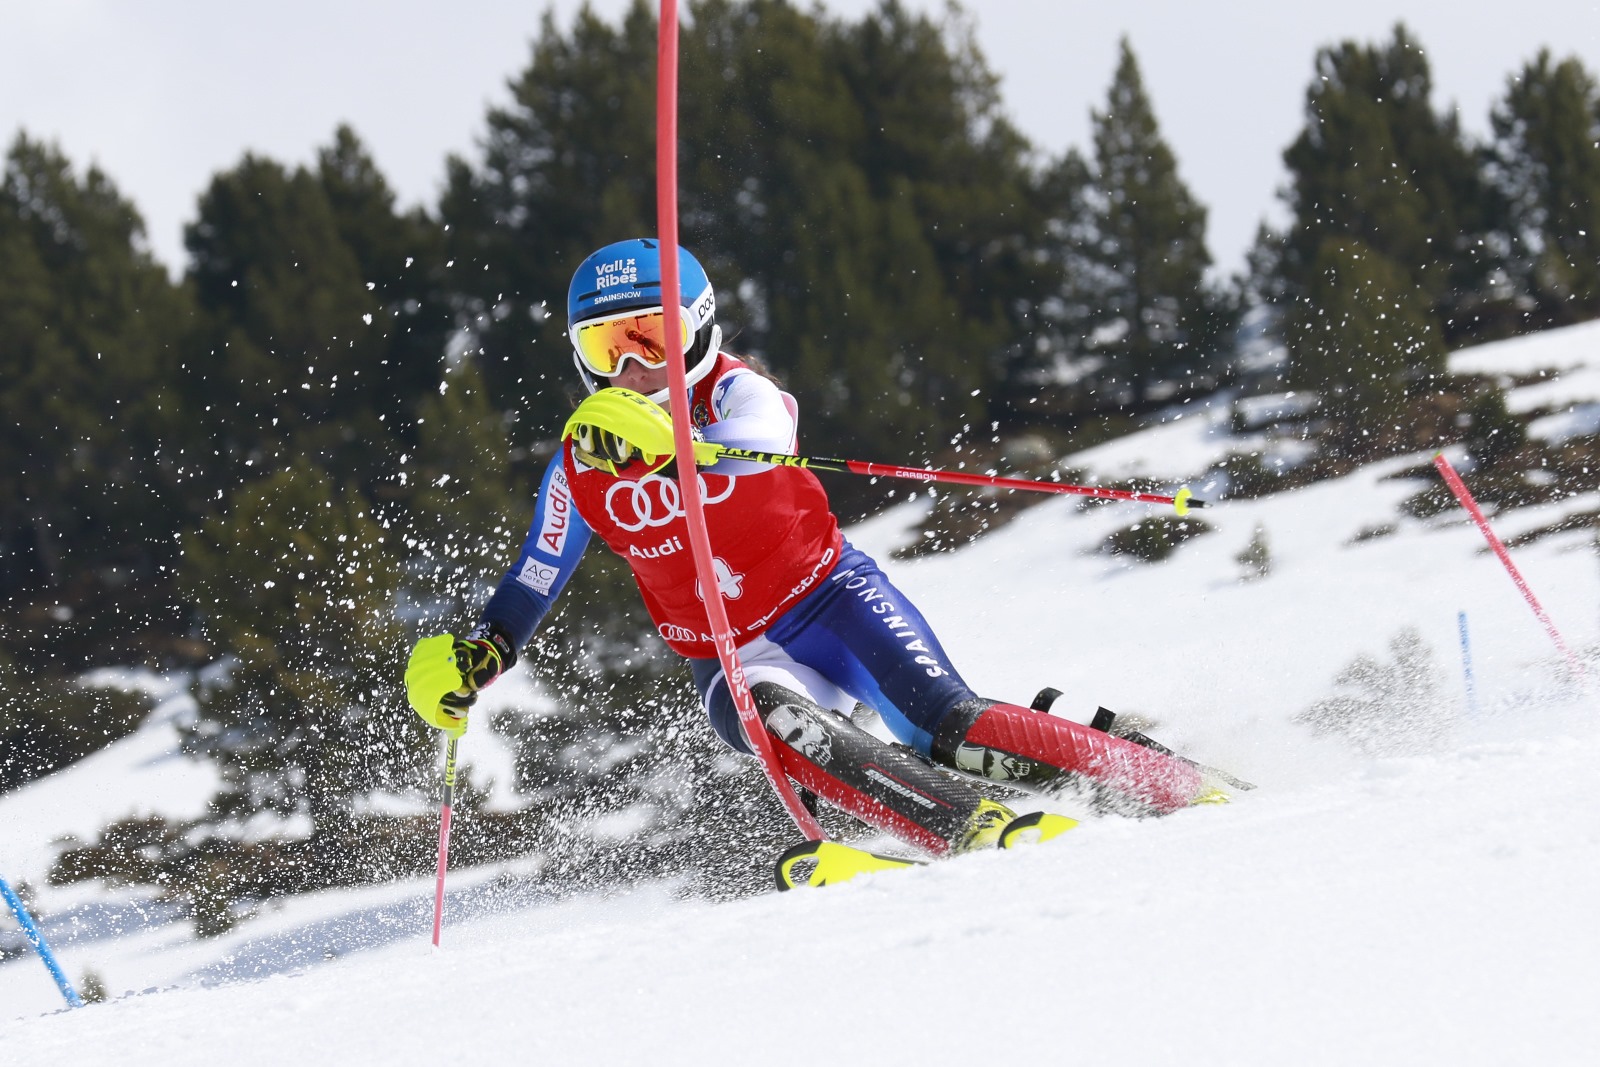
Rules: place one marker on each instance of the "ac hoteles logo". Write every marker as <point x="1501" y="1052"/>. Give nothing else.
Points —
<point x="655" y="501"/>
<point x="540" y="577"/>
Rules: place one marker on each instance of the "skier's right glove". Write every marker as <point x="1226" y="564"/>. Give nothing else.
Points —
<point x="445" y="673"/>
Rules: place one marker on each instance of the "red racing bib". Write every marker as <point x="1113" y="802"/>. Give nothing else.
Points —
<point x="773" y="538"/>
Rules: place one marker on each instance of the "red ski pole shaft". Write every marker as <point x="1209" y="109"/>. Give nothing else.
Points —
<point x="1182" y="501"/>
<point x="444" y="837"/>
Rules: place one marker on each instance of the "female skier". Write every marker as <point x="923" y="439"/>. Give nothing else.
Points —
<point x="820" y="627"/>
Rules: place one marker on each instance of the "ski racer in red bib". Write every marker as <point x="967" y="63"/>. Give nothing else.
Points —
<point x="820" y="627"/>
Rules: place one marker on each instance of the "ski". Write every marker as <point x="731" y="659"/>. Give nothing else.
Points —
<point x="819" y="863"/>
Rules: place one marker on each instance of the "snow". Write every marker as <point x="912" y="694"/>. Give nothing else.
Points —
<point x="1433" y="903"/>
<point x="142" y="775"/>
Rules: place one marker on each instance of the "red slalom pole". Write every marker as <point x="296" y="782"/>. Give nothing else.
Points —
<point x="678" y="388"/>
<point x="1459" y="488"/>
<point x="444" y="836"/>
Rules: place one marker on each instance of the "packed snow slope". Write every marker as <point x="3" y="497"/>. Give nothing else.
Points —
<point x="1422" y="893"/>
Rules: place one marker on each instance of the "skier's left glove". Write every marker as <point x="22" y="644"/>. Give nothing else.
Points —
<point x="626" y="435"/>
<point x="445" y="673"/>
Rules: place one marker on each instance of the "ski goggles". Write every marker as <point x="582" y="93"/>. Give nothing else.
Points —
<point x="602" y="344"/>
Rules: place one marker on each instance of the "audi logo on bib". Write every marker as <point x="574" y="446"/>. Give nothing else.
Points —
<point x="673" y="632"/>
<point x="654" y="501"/>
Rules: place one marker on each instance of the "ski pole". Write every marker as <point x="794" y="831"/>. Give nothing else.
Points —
<point x="36" y="939"/>
<point x="705" y="452"/>
<point x="444" y="836"/>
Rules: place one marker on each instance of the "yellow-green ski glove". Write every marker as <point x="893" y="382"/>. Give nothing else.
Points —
<point x="444" y="675"/>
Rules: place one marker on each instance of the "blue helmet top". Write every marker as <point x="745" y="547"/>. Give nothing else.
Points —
<point x="627" y="275"/>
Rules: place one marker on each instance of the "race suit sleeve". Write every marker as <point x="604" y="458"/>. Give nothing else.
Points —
<point x="557" y="537"/>
<point x="751" y="412"/>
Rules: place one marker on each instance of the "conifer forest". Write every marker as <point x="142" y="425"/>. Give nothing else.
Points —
<point x="271" y="472"/>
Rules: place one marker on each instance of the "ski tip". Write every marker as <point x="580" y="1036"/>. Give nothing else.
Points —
<point x="1230" y="781"/>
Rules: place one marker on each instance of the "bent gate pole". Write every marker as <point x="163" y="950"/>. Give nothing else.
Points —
<point x="1464" y="498"/>
<point x="677" y="383"/>
<point x="36" y="939"/>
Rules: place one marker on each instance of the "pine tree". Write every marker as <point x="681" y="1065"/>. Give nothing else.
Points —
<point x="323" y="318"/>
<point x="1377" y="164"/>
<point x="401" y="260"/>
<point x="1129" y="241"/>
<point x="320" y="346"/>
<point x="458" y="522"/>
<point x="568" y="166"/>
<point x="1255" y="559"/>
<point x="1361" y="333"/>
<point x="284" y="338"/>
<point x="297" y="582"/>
<point x="1547" y="165"/>
<point x="949" y="170"/>
<point x="88" y="422"/>
<point x="858" y="199"/>
<point x="1386" y="708"/>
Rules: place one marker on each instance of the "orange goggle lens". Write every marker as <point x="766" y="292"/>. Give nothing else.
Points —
<point x="603" y="344"/>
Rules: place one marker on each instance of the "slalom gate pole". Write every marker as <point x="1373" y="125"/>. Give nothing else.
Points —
<point x="444" y="835"/>
<point x="1464" y="496"/>
<point x="678" y="389"/>
<point x="1466" y="663"/>
<point x="36" y="939"/>
<point x="1182" y="501"/>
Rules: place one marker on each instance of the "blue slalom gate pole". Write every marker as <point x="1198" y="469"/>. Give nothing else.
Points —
<point x="36" y="939"/>
<point x="1466" y="663"/>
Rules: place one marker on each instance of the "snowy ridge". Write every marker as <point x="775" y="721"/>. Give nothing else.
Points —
<point x="1427" y="898"/>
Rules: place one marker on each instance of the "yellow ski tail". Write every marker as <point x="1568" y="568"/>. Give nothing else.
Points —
<point x="826" y="862"/>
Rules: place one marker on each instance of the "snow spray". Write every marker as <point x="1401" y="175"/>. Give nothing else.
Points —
<point x="36" y="939"/>
<point x="1459" y="488"/>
